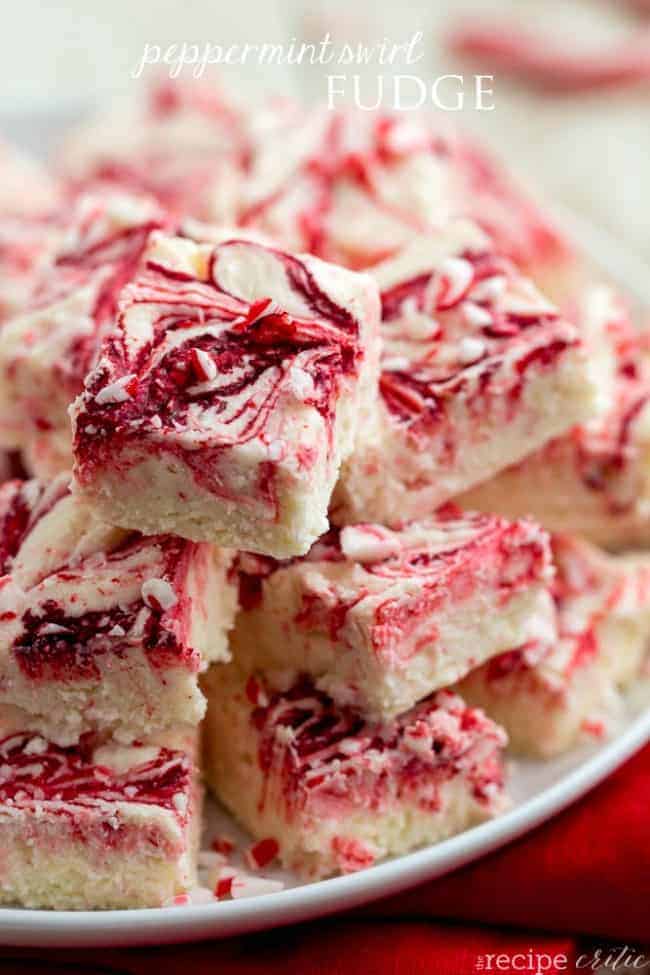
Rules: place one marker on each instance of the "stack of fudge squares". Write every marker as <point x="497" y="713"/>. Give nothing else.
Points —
<point x="326" y="483"/>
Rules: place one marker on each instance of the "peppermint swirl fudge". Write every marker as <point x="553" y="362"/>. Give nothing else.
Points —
<point x="102" y="630"/>
<point x="594" y="480"/>
<point x="550" y="697"/>
<point x="380" y="618"/>
<point x="97" y="825"/>
<point x="478" y="370"/>
<point x="336" y="792"/>
<point x="231" y="389"/>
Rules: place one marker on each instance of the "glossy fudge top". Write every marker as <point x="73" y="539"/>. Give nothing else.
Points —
<point x="215" y="345"/>
<point x="72" y="589"/>
<point x="453" y="313"/>
<point x="363" y="560"/>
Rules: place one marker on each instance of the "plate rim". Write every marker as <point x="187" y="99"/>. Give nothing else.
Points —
<point x="20" y="927"/>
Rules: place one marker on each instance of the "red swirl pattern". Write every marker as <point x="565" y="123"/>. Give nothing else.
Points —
<point x="329" y="756"/>
<point x="38" y="774"/>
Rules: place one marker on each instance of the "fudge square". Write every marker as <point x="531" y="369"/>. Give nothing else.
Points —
<point x="549" y="698"/>
<point x="185" y="142"/>
<point x="228" y="394"/>
<point x="382" y="618"/>
<point x="478" y="370"/>
<point x="335" y="792"/>
<point x="102" y="630"/>
<point x="593" y="481"/>
<point x="47" y="349"/>
<point x="97" y="825"/>
<point x="354" y="187"/>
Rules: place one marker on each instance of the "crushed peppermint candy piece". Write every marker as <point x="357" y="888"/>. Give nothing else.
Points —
<point x="158" y="594"/>
<point x="180" y="900"/>
<point x="223" y="887"/>
<point x="258" y="309"/>
<point x="222" y="844"/>
<point x="53" y="629"/>
<point x="368" y="543"/>
<point x="204" y="365"/>
<point x="262" y="853"/>
<point x="118" y="392"/>
<point x="489" y="289"/>
<point x="470" y="349"/>
<point x="301" y="382"/>
<point x="451" y="283"/>
<point x="247" y="886"/>
<point x="197" y="895"/>
<point x="476" y="315"/>
<point x="256" y="693"/>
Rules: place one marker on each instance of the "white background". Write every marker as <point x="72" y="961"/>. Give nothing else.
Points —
<point x="590" y="151"/>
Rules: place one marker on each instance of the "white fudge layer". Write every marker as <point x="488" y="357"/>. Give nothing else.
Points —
<point x="382" y="618"/>
<point x="101" y="630"/>
<point x="336" y="793"/>
<point x="233" y="388"/>
<point x="106" y="827"/>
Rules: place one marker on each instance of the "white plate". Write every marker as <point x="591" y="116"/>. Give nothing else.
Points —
<point x="539" y="789"/>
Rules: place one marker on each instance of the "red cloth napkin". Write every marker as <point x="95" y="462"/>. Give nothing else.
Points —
<point x="585" y="872"/>
<point x="335" y="947"/>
